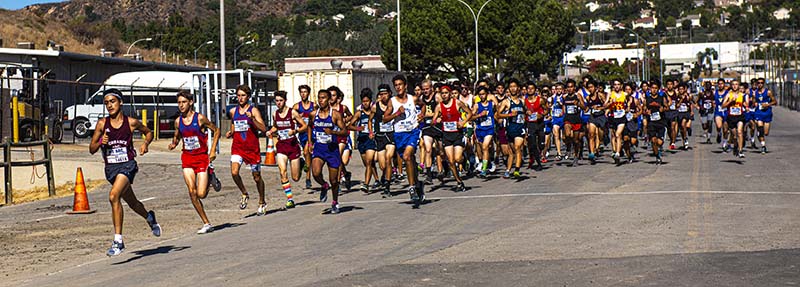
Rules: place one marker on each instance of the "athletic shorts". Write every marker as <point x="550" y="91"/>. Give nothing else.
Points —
<point x="348" y="144"/>
<point x="290" y="149"/>
<point x="548" y="127"/>
<point x="365" y="143"/>
<point x="599" y="121"/>
<point x="733" y="120"/>
<point x="329" y="153"/>
<point x="631" y="128"/>
<point x="197" y="162"/>
<point x="128" y="169"/>
<point x="575" y="127"/>
<point x="558" y="122"/>
<point x="406" y="139"/>
<point x="708" y="117"/>
<point x="723" y="115"/>
<point x="585" y="118"/>
<point x="749" y="116"/>
<point x="656" y="130"/>
<point x="684" y="116"/>
<point x="501" y="136"/>
<point x="382" y="140"/>
<point x="481" y="134"/>
<point x="254" y="167"/>
<point x="453" y="139"/>
<point x="432" y="131"/>
<point x="303" y="138"/>
<point x="469" y="132"/>
<point x="512" y="134"/>
<point x="613" y="123"/>
<point x="763" y="116"/>
<point x="672" y="116"/>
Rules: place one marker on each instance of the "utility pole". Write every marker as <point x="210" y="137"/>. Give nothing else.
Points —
<point x="399" y="62"/>
<point x="223" y="85"/>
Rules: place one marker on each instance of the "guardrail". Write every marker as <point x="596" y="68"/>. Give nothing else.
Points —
<point x="7" y="165"/>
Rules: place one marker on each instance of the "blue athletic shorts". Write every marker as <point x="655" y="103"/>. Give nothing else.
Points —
<point x="763" y="116"/>
<point x="128" y="169"/>
<point x="548" y="126"/>
<point x="406" y="139"/>
<point x="481" y="134"/>
<point x="365" y="144"/>
<point x="329" y="153"/>
<point x="303" y="137"/>
<point x="558" y="122"/>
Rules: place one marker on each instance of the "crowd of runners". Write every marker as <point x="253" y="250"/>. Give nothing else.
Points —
<point x="440" y="132"/>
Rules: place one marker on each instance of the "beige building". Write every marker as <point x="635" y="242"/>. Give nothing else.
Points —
<point x="372" y="62"/>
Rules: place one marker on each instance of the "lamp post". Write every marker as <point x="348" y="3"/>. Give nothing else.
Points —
<point x="639" y="38"/>
<point x="198" y="48"/>
<point x="399" y="62"/>
<point x="236" y="50"/>
<point x="476" y="17"/>
<point x="137" y="41"/>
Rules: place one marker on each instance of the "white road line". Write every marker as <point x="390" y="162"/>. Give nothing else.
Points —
<point x="147" y="199"/>
<point x="51" y="217"/>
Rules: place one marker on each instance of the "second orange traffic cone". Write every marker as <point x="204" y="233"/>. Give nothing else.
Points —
<point x="269" y="160"/>
<point x="81" y="202"/>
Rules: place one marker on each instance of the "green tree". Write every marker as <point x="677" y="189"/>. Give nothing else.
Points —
<point x="672" y="8"/>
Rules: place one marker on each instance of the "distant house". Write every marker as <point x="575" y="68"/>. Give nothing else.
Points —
<point x="390" y="15"/>
<point x="645" y="23"/>
<point x="599" y="25"/>
<point x="644" y="13"/>
<point x="338" y="17"/>
<point x="695" y="19"/>
<point x="368" y="10"/>
<point x="592" y="6"/>
<point x="782" y="14"/>
<point x="276" y="38"/>
<point x="726" y="3"/>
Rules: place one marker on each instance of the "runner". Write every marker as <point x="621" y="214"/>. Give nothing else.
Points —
<point x="195" y="157"/>
<point x="245" y="148"/>
<point x="705" y="104"/>
<point x="116" y="141"/>
<point x="365" y="141"/>
<point x="721" y="114"/>
<point x="657" y="104"/>
<point x="383" y="133"/>
<point x="305" y="107"/>
<point x="513" y="110"/>
<point x="557" y="111"/>
<point x="465" y="97"/>
<point x="672" y="113"/>
<point x="617" y="102"/>
<point x="502" y="95"/>
<point x="402" y="110"/>
<point x="736" y="102"/>
<point x="430" y="133"/>
<point x="597" y="119"/>
<point x="535" y="107"/>
<point x="485" y="125"/>
<point x="573" y="124"/>
<point x="287" y="124"/>
<point x="765" y="100"/>
<point x="548" y="123"/>
<point x="328" y="124"/>
<point x="629" y="137"/>
<point x="447" y="112"/>
<point x="345" y="142"/>
<point x="685" y="114"/>
<point x="750" y="125"/>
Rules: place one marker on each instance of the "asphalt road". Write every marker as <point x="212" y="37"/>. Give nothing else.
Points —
<point x="704" y="218"/>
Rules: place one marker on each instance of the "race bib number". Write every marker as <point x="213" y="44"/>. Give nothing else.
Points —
<point x="683" y="108"/>
<point x="405" y="126"/>
<point x="558" y="113"/>
<point x="323" y="138"/>
<point x="619" y="114"/>
<point x="117" y="155"/>
<point x="571" y="110"/>
<point x="520" y="119"/>
<point x="386" y="127"/>
<point x="721" y="109"/>
<point x="487" y="122"/>
<point x="672" y="106"/>
<point x="533" y="117"/>
<point x="450" y="126"/>
<point x="629" y="116"/>
<point x="241" y="126"/>
<point x="191" y="143"/>
<point x="655" y="116"/>
<point x="596" y="111"/>
<point x="284" y="134"/>
<point x="751" y="109"/>
<point x="736" y="111"/>
<point x="707" y="106"/>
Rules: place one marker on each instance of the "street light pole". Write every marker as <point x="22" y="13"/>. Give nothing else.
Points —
<point x="235" y="51"/>
<point x="639" y="38"/>
<point x="198" y="48"/>
<point x="137" y="41"/>
<point x="399" y="62"/>
<point x="476" y="17"/>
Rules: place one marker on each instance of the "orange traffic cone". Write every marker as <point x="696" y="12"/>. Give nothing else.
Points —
<point x="81" y="203"/>
<point x="269" y="160"/>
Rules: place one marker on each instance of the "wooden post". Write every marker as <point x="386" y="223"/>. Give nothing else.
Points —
<point x="51" y="185"/>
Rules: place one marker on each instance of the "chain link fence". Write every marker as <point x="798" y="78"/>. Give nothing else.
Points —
<point x="786" y="94"/>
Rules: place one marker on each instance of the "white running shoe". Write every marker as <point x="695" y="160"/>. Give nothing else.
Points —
<point x="262" y="209"/>
<point x="205" y="229"/>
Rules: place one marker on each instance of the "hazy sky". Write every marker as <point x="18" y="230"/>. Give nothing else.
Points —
<point x="17" y="4"/>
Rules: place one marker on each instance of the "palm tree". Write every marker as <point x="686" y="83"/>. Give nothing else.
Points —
<point x="705" y="59"/>
<point x="580" y="61"/>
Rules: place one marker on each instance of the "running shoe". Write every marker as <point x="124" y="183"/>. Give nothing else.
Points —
<point x="630" y="159"/>
<point x="213" y="180"/>
<point x="335" y="208"/>
<point x="719" y="138"/>
<point x="205" y="229"/>
<point x="262" y="209"/>
<point x="414" y="196"/>
<point x="116" y="248"/>
<point x="386" y="190"/>
<point x="753" y="143"/>
<point x="243" y="202"/>
<point x="763" y="150"/>
<point x="460" y="187"/>
<point x="364" y="188"/>
<point x="308" y="183"/>
<point x="483" y="174"/>
<point x="685" y="145"/>
<point x="672" y="146"/>
<point x="592" y="158"/>
<point x="492" y="167"/>
<point x="323" y="194"/>
<point x="429" y="178"/>
<point x="516" y="175"/>
<point x="741" y="155"/>
<point x="558" y="157"/>
<point x="290" y="204"/>
<point x="544" y="159"/>
<point x="507" y="175"/>
<point x="708" y="140"/>
<point x="725" y="148"/>
<point x="347" y="177"/>
<point x="154" y="226"/>
<point x="421" y="192"/>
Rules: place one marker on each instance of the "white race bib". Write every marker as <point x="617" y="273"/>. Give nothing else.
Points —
<point x="284" y="134"/>
<point x="672" y="106"/>
<point x="450" y="126"/>
<point x="520" y="119"/>
<point x="619" y="114"/>
<point x="683" y="108"/>
<point x="241" y="126"/>
<point x="487" y="122"/>
<point x="533" y="117"/>
<point x="596" y="111"/>
<point x="557" y="112"/>
<point x="386" y="127"/>
<point x="735" y="111"/>
<point x="629" y="116"/>
<point x="707" y="106"/>
<point x="323" y="138"/>
<point x="191" y="143"/>
<point x="720" y="108"/>
<point x="117" y="155"/>
<point x="655" y="116"/>
<point x="571" y="110"/>
<point x="751" y="109"/>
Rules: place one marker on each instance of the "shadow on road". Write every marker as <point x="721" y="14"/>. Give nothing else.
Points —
<point x="739" y="162"/>
<point x="147" y="252"/>
<point x="228" y="225"/>
<point x="342" y="209"/>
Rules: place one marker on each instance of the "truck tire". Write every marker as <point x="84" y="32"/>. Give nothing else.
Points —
<point x="58" y="132"/>
<point x="79" y="128"/>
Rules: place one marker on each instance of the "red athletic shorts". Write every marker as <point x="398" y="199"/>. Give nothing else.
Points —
<point x="289" y="148"/>
<point x="575" y="127"/>
<point x="197" y="162"/>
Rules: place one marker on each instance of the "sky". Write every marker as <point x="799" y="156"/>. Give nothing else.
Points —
<point x="17" y="4"/>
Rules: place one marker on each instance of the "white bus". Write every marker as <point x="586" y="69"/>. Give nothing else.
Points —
<point x="150" y="90"/>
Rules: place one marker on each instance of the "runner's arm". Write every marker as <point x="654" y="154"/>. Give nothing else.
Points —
<point x="300" y="122"/>
<point x="97" y="136"/>
<point x="204" y="122"/>
<point x="135" y="124"/>
<point x="338" y="120"/>
<point x="259" y="121"/>
<point x="177" y="135"/>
